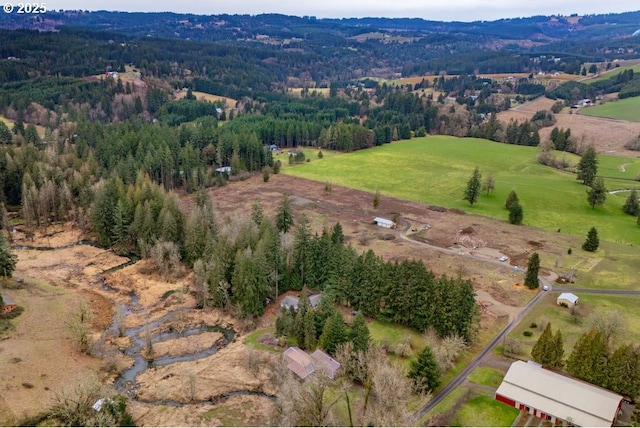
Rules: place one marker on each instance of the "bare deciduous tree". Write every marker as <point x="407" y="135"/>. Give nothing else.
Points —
<point x="611" y="324"/>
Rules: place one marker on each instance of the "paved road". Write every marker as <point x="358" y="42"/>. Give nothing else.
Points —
<point x="459" y="379"/>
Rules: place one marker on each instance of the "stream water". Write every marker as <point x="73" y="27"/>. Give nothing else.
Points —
<point x="126" y="381"/>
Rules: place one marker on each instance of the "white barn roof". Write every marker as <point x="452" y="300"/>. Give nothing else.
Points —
<point x="565" y="398"/>
<point x="570" y="297"/>
<point x="383" y="221"/>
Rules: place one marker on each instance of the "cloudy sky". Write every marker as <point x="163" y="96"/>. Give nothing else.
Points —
<point x="441" y="10"/>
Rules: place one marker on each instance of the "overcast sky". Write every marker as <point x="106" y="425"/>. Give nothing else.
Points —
<point x="440" y="10"/>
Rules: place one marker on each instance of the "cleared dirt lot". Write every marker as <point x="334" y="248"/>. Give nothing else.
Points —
<point x="606" y="135"/>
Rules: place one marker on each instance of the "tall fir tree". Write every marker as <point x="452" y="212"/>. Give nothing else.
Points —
<point x="623" y="374"/>
<point x="472" y="192"/>
<point x="593" y="242"/>
<point x="359" y="333"/>
<point x="597" y="193"/>
<point x="284" y="215"/>
<point x="512" y="199"/>
<point x="542" y="351"/>
<point x="424" y="371"/>
<point x="557" y="361"/>
<point x="533" y="267"/>
<point x="587" y="168"/>
<point x="516" y="213"/>
<point x="588" y="360"/>
<point x="631" y="205"/>
<point x="333" y="334"/>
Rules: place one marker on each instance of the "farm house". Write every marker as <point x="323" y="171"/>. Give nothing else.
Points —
<point x="557" y="398"/>
<point x="303" y="364"/>
<point x="8" y="304"/>
<point x="567" y="299"/>
<point x="292" y="301"/>
<point x="383" y="222"/>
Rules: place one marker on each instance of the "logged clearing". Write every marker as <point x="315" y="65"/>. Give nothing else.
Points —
<point x="606" y="135"/>
<point x="203" y="96"/>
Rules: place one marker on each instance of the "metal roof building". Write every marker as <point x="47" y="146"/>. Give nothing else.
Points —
<point x="568" y="299"/>
<point x="552" y="396"/>
<point x="383" y="222"/>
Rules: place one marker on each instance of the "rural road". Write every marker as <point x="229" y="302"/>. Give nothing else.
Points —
<point x="460" y="378"/>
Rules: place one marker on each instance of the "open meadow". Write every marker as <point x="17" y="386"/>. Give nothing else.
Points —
<point x="547" y="311"/>
<point x="626" y="109"/>
<point x="435" y="170"/>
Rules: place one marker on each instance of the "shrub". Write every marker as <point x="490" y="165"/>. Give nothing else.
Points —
<point x="527" y="333"/>
<point x="533" y="325"/>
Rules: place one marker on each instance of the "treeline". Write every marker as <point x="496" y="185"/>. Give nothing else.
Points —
<point x="246" y="260"/>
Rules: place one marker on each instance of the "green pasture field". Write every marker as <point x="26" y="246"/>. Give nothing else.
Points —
<point x="614" y="72"/>
<point x="484" y="411"/>
<point x="626" y="109"/>
<point x="486" y="376"/>
<point x="561" y="318"/>
<point x="435" y="170"/>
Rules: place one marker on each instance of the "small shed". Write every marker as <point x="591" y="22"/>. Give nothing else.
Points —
<point x="323" y="360"/>
<point x="299" y="361"/>
<point x="383" y="222"/>
<point x="8" y="304"/>
<point x="567" y="299"/>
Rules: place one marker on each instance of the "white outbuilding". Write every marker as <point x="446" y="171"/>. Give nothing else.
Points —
<point x="383" y="222"/>
<point x="567" y="299"/>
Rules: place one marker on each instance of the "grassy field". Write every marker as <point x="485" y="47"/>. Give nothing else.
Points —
<point x="614" y="72"/>
<point x="486" y="376"/>
<point x="560" y="318"/>
<point x="626" y="109"/>
<point x="435" y="170"/>
<point x="484" y="411"/>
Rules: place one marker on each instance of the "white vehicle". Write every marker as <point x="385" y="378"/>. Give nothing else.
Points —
<point x="545" y="287"/>
<point x="503" y="258"/>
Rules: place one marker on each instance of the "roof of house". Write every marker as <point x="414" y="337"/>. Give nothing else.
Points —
<point x="566" y="398"/>
<point x="569" y="297"/>
<point x="292" y="301"/>
<point x="329" y="363"/>
<point x="299" y="361"/>
<point x="289" y="302"/>
<point x="315" y="300"/>
<point x="381" y="220"/>
<point x="7" y="300"/>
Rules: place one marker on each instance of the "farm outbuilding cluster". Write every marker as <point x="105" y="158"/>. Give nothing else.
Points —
<point x="292" y="302"/>
<point x="557" y="398"/>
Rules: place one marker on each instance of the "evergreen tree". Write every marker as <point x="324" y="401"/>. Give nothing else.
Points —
<point x="512" y="199"/>
<point x="376" y="199"/>
<point x="588" y="360"/>
<point x="588" y="167"/>
<point x="542" y="352"/>
<point x="337" y="234"/>
<point x="5" y="133"/>
<point x="593" y="242"/>
<point x="624" y="371"/>
<point x="333" y="334"/>
<point x="284" y="216"/>
<point x="257" y="214"/>
<point x="424" y="371"/>
<point x="472" y="191"/>
<point x="557" y="362"/>
<point x="359" y="333"/>
<point x="631" y="205"/>
<point x="533" y="267"/>
<point x="516" y="214"/>
<point x="597" y="194"/>
<point x="489" y="184"/>
<point x="309" y="330"/>
<point x="8" y="260"/>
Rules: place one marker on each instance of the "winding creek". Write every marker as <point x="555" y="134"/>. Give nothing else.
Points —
<point x="126" y="380"/>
